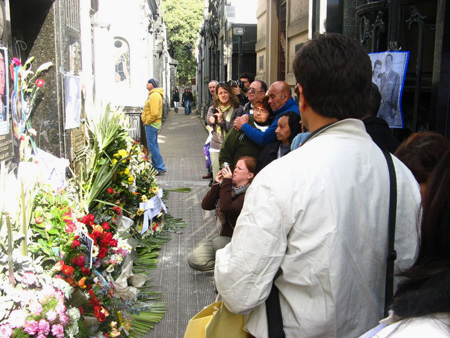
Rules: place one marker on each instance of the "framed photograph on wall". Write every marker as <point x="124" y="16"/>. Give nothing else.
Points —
<point x="4" y="92"/>
<point x="72" y="96"/>
<point x="388" y="73"/>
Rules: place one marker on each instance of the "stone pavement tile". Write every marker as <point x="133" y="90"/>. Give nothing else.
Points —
<point x="184" y="290"/>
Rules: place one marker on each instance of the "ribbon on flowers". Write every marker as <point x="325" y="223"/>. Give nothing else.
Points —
<point x="152" y="207"/>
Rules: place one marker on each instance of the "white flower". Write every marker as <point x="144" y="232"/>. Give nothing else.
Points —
<point x="62" y="285"/>
<point x="72" y="330"/>
<point x="95" y="251"/>
<point x="110" y="268"/>
<point x="74" y="314"/>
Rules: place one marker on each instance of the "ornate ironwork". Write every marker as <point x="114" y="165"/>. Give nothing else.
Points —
<point x="378" y="27"/>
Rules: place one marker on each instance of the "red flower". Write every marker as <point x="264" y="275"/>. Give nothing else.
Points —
<point x="117" y="210"/>
<point x="40" y="83"/>
<point x="39" y="219"/>
<point x="105" y="226"/>
<point x="110" y="190"/>
<point x="81" y="310"/>
<point x="113" y="243"/>
<point x="100" y="313"/>
<point x="67" y="216"/>
<point x="102" y="253"/>
<point x="67" y="270"/>
<point x="78" y="260"/>
<point x="106" y="239"/>
<point x="70" y="227"/>
<point x="75" y="243"/>
<point x="85" y="271"/>
<point x="93" y="300"/>
<point x="88" y="220"/>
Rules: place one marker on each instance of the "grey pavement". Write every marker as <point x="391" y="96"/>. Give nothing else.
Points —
<point x="184" y="290"/>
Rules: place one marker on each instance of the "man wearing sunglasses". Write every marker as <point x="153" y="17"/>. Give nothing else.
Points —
<point x="256" y="90"/>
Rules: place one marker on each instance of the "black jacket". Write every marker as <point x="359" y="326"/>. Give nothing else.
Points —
<point x="268" y="154"/>
<point x="379" y="131"/>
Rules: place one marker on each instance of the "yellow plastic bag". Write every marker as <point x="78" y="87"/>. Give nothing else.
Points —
<point x="215" y="321"/>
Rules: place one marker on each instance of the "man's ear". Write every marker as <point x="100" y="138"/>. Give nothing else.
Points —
<point x="302" y="104"/>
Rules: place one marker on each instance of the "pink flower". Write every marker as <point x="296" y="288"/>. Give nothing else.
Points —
<point x="6" y="331"/>
<point x="31" y="327"/>
<point x="16" y="62"/>
<point x="51" y="315"/>
<point x="46" y="292"/>
<point x="64" y="319"/>
<point x="29" y="278"/>
<point x="35" y="308"/>
<point x="44" y="327"/>
<point x="58" y="330"/>
<point x="60" y="308"/>
<point x="17" y="318"/>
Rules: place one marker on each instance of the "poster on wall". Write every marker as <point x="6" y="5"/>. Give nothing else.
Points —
<point x="4" y="106"/>
<point x="72" y="95"/>
<point x="388" y="73"/>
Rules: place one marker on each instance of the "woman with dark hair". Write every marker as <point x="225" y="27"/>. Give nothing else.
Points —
<point x="376" y="73"/>
<point x="421" y="306"/>
<point x="220" y="117"/>
<point x="237" y="144"/>
<point x="227" y="194"/>
<point x="421" y="152"/>
<point x="288" y="127"/>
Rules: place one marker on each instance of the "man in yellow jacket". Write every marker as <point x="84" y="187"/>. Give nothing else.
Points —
<point x="152" y="117"/>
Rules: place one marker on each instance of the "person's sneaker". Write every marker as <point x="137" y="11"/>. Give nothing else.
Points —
<point x="160" y="173"/>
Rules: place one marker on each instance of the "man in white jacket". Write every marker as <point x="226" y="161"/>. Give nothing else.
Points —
<point x="319" y="215"/>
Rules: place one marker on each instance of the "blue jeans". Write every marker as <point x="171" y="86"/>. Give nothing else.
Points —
<point x="187" y="107"/>
<point x="152" y="144"/>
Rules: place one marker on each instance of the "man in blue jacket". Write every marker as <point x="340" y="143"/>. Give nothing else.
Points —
<point x="281" y="101"/>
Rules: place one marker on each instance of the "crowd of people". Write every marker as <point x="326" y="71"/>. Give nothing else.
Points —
<point x="304" y="196"/>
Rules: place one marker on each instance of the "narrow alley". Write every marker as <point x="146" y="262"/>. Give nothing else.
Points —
<point x="184" y="290"/>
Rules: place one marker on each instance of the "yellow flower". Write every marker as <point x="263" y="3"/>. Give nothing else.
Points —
<point x="114" y="161"/>
<point x="155" y="190"/>
<point x="144" y="198"/>
<point x="126" y="171"/>
<point x="123" y="153"/>
<point x="140" y="212"/>
<point x="130" y="179"/>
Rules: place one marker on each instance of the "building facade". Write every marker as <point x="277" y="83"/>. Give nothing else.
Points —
<point x="108" y="48"/>
<point x="418" y="26"/>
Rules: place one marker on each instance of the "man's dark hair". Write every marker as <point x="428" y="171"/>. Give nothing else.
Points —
<point x="374" y="101"/>
<point x="250" y="77"/>
<point x="335" y="73"/>
<point x="263" y="85"/>
<point x="294" y="124"/>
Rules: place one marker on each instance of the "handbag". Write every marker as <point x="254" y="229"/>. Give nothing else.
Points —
<point x="216" y="321"/>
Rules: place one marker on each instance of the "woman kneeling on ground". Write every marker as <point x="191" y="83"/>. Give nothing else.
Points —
<point x="227" y="192"/>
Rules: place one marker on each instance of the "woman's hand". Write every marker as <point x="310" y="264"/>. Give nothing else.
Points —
<point x="219" y="177"/>
<point x="219" y="115"/>
<point x="227" y="173"/>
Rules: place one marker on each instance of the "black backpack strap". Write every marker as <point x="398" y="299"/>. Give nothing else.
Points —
<point x="392" y="254"/>
<point x="273" y="311"/>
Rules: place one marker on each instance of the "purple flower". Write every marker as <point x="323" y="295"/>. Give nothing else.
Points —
<point x="44" y="327"/>
<point x="35" y="308"/>
<point x="58" y="330"/>
<point x="31" y="327"/>
<point x="6" y="331"/>
<point x="17" y="318"/>
<point x="51" y="315"/>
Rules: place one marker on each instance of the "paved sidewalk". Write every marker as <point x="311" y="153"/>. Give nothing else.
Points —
<point x="184" y="290"/>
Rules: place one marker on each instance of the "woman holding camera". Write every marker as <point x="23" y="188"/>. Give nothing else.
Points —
<point x="220" y="117"/>
<point x="227" y="194"/>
